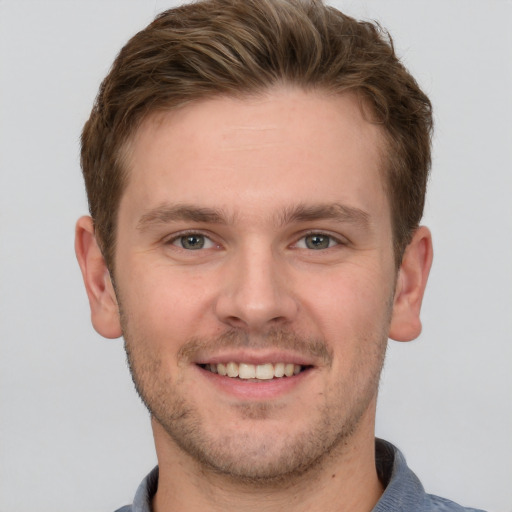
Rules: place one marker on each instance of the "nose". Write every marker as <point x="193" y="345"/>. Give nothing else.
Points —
<point x="255" y="293"/>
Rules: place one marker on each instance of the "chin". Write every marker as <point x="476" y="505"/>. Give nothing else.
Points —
<point x="257" y="448"/>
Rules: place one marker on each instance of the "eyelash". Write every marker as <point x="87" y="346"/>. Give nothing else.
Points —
<point x="184" y="234"/>
<point x="337" y="241"/>
<point x="332" y="240"/>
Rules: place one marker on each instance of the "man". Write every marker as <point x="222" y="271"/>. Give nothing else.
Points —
<point x="256" y="174"/>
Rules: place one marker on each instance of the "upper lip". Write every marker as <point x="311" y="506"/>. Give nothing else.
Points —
<point x="255" y="357"/>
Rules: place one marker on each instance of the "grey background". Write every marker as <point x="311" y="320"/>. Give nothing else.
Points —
<point x="73" y="435"/>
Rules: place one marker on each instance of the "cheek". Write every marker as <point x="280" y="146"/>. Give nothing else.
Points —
<point x="353" y="313"/>
<point x="349" y="299"/>
<point x="163" y="307"/>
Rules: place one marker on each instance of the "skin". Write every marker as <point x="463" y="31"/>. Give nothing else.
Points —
<point x="256" y="180"/>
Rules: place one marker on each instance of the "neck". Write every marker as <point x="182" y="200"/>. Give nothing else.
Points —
<point x="345" y="480"/>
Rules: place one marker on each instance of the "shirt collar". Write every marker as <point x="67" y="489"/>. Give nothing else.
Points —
<point x="403" y="491"/>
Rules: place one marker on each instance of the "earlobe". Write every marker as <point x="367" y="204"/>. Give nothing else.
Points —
<point x="410" y="287"/>
<point x="100" y="291"/>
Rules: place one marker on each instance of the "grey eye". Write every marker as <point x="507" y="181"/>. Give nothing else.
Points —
<point x="317" y="241"/>
<point x="192" y="242"/>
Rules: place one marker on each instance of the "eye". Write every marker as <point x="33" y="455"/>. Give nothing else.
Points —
<point x="193" y="242"/>
<point x="317" y="241"/>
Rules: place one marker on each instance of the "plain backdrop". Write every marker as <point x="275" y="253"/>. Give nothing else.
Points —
<point x="73" y="434"/>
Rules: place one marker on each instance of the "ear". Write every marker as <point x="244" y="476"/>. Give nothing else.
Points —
<point x="410" y="287"/>
<point x="102" y="297"/>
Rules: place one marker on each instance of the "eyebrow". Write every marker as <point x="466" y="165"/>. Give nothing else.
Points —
<point x="171" y="213"/>
<point x="333" y="211"/>
<point x="166" y="213"/>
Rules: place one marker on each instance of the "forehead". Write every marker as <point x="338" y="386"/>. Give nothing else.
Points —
<point x="274" y="148"/>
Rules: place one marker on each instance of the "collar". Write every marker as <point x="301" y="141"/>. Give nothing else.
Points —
<point x="403" y="490"/>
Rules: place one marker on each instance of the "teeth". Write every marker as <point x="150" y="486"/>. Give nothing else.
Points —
<point x="246" y="371"/>
<point x="279" y="369"/>
<point x="265" y="371"/>
<point x="232" y="369"/>
<point x="288" y="369"/>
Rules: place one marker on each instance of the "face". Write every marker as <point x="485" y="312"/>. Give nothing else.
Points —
<point x="255" y="275"/>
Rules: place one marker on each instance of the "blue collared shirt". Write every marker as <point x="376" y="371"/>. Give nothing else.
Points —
<point x="403" y="491"/>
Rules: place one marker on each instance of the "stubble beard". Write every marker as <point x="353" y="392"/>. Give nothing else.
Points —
<point x="243" y="456"/>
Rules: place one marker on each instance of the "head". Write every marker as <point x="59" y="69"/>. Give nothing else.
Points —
<point x="256" y="173"/>
<point x="229" y="48"/>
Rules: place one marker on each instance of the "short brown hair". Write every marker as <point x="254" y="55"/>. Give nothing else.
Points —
<point x="237" y="47"/>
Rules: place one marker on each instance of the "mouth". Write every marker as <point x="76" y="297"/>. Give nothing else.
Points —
<point x="255" y="372"/>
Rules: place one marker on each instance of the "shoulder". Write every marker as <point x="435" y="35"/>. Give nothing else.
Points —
<point x="144" y="494"/>
<point x="403" y="490"/>
<point x="438" y="504"/>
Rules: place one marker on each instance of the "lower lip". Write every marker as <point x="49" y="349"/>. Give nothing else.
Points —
<point x="250" y="390"/>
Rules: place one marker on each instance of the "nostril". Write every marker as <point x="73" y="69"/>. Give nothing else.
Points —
<point x="235" y="321"/>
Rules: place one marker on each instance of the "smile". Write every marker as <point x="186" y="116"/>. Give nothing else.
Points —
<point x="246" y="371"/>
